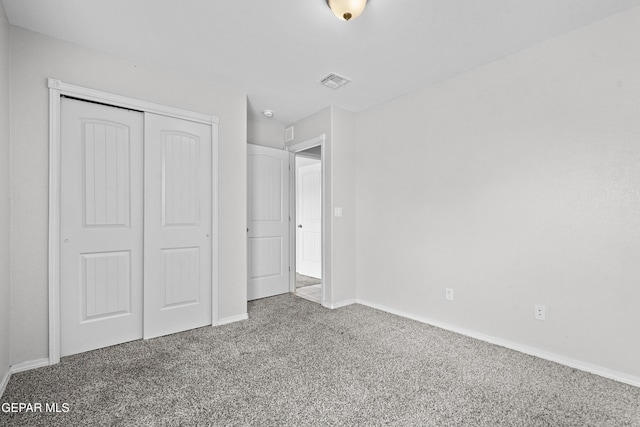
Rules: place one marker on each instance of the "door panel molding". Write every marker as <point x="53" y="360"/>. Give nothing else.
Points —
<point x="58" y="89"/>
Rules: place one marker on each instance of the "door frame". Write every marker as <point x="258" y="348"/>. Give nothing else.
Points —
<point x="57" y="89"/>
<point x="293" y="149"/>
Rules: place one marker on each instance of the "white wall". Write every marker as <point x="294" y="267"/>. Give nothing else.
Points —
<point x="514" y="184"/>
<point x="266" y="133"/>
<point x="339" y="177"/>
<point x="343" y="160"/>
<point x="36" y="57"/>
<point x="4" y="198"/>
<point x="305" y="129"/>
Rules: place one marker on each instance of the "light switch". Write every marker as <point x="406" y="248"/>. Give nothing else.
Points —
<point x="337" y="211"/>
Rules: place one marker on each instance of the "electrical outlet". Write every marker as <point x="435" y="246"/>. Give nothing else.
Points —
<point x="539" y="312"/>
<point x="449" y="294"/>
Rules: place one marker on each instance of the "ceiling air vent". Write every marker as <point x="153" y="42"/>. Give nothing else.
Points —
<point x="334" y="81"/>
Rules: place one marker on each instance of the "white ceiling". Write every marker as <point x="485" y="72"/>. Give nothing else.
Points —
<point x="277" y="50"/>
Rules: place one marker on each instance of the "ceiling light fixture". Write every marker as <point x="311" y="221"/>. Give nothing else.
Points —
<point x="347" y="9"/>
<point x="268" y="113"/>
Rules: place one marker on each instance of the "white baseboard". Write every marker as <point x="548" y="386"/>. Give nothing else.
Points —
<point x="339" y="304"/>
<point x="4" y="382"/>
<point x="532" y="351"/>
<point x="24" y="366"/>
<point x="31" y="364"/>
<point x="232" y="319"/>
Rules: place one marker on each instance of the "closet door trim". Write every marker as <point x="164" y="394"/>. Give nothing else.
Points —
<point x="57" y="89"/>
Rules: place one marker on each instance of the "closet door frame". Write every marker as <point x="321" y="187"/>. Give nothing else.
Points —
<point x="57" y="89"/>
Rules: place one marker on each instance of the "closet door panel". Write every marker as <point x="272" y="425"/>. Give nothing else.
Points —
<point x="178" y="225"/>
<point x="101" y="228"/>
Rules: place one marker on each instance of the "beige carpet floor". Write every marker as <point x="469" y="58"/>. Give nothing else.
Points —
<point x="296" y="363"/>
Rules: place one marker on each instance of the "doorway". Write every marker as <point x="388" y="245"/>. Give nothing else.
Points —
<point x="273" y="265"/>
<point x="308" y="220"/>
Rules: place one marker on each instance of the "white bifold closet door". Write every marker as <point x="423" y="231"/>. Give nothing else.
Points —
<point x="135" y="229"/>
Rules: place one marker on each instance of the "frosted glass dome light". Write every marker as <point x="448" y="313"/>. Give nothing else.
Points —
<point x="347" y="9"/>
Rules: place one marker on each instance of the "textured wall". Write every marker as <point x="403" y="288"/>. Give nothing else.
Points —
<point x="343" y="160"/>
<point x="4" y="196"/>
<point x="266" y="133"/>
<point x="515" y="184"/>
<point x="339" y="178"/>
<point x="36" y="57"/>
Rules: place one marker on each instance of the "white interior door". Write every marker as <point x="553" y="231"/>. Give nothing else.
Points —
<point x="101" y="228"/>
<point x="309" y="217"/>
<point x="268" y="222"/>
<point x="178" y="225"/>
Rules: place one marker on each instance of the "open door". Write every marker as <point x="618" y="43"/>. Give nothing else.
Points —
<point x="267" y="222"/>
<point x="309" y="217"/>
